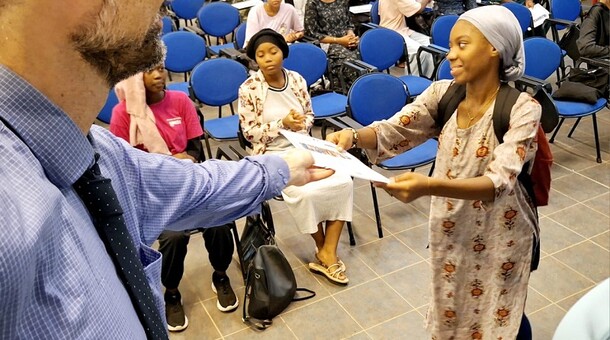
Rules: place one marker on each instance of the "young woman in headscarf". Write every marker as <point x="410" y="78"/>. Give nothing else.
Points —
<point x="275" y="98"/>
<point x="482" y="223"/>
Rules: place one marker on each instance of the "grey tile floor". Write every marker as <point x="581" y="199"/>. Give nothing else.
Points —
<point x="387" y="295"/>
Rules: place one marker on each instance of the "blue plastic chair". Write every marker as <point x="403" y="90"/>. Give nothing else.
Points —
<point x="444" y="70"/>
<point x="106" y="111"/>
<point x="523" y="15"/>
<point x="568" y="10"/>
<point x="216" y="82"/>
<point x="240" y="35"/>
<point x="540" y="61"/>
<point x="440" y="30"/>
<point x="218" y="19"/>
<point x="186" y="9"/>
<point x="184" y="51"/>
<point x="168" y="25"/>
<point x="378" y="96"/>
<point x="382" y="48"/>
<point x="375" y="12"/>
<point x="311" y="63"/>
<point x="542" y="68"/>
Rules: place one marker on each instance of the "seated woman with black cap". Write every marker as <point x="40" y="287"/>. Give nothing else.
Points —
<point x="275" y="98"/>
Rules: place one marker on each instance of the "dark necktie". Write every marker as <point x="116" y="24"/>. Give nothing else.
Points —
<point x="99" y="197"/>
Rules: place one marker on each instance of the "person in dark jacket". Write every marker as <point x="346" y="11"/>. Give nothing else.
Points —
<point x="594" y="41"/>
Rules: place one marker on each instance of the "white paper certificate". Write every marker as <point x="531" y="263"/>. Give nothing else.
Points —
<point x="326" y="155"/>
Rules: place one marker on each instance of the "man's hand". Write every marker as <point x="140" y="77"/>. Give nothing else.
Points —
<point x="407" y="187"/>
<point x="294" y="121"/>
<point x="343" y="139"/>
<point x="302" y="171"/>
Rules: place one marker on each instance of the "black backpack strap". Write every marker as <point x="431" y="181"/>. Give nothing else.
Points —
<point x="301" y="298"/>
<point x="449" y="103"/>
<point x="506" y="99"/>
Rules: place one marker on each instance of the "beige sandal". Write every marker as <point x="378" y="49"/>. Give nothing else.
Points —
<point x="331" y="272"/>
<point x="343" y="268"/>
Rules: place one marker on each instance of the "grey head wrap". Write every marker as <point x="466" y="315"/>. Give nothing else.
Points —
<point x="501" y="28"/>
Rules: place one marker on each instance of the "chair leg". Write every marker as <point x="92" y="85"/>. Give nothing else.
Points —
<point x="431" y="169"/>
<point x="377" y="214"/>
<point x="556" y="130"/>
<point x="232" y="109"/>
<point x="599" y="155"/>
<point x="574" y="127"/>
<point x="219" y="111"/>
<point x="350" y="231"/>
<point x="207" y="145"/>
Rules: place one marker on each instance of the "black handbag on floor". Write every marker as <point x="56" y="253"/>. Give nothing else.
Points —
<point x="270" y="282"/>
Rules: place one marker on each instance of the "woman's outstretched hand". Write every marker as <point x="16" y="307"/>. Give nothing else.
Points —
<point x="343" y="139"/>
<point x="407" y="187"/>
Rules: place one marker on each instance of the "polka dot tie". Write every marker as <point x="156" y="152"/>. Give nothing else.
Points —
<point x="99" y="197"/>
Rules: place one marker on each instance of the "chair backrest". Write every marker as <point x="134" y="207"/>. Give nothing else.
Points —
<point x="522" y="13"/>
<point x="216" y="82"/>
<point x="106" y="111"/>
<point x="218" y="19"/>
<point x="308" y="60"/>
<point x="376" y="96"/>
<point x="566" y="10"/>
<point x="444" y="70"/>
<point x="186" y="9"/>
<point x="441" y="28"/>
<point x="381" y="47"/>
<point x="542" y="57"/>
<point x="168" y="25"/>
<point x="375" y="12"/>
<point x="184" y="51"/>
<point x="240" y="35"/>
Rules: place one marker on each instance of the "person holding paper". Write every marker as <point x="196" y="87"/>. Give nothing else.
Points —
<point x="273" y="99"/>
<point x="482" y="225"/>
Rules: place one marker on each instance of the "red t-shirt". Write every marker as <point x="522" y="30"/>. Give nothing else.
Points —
<point x="175" y="117"/>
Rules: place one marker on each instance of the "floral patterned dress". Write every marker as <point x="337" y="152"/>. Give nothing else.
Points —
<point x="323" y="19"/>
<point x="480" y="251"/>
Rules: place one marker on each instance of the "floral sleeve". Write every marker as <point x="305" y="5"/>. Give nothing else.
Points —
<point x="518" y="146"/>
<point x="414" y="124"/>
<point x="303" y="93"/>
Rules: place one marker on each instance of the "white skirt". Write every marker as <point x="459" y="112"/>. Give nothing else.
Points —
<point x="329" y="199"/>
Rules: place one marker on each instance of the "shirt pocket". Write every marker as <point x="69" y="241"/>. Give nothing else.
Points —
<point x="151" y="260"/>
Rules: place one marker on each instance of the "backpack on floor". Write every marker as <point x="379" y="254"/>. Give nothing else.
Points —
<point x="270" y="282"/>
<point x="537" y="183"/>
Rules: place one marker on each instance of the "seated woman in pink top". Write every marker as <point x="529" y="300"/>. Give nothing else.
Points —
<point x="157" y="120"/>
<point x="278" y="16"/>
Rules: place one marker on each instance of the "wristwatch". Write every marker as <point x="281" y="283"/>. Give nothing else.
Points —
<point x="354" y="137"/>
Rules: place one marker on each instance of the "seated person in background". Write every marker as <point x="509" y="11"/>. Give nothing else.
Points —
<point x="392" y="15"/>
<point x="273" y="99"/>
<point x="169" y="125"/>
<point x="457" y="7"/>
<point x="276" y="15"/>
<point x="329" y="22"/>
<point x="594" y="38"/>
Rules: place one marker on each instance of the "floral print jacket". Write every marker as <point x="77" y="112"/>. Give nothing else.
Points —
<point x="252" y="94"/>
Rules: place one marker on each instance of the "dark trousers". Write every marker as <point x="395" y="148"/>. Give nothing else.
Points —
<point x="173" y="246"/>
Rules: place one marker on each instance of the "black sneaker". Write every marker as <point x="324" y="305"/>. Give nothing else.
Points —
<point x="226" y="299"/>
<point x="174" y="312"/>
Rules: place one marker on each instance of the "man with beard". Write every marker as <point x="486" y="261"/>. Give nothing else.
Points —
<point x="58" y="277"/>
